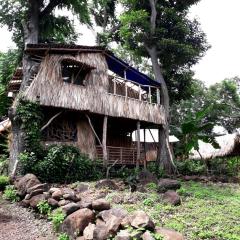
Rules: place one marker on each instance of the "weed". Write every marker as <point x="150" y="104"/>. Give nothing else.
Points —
<point x="44" y="208"/>
<point x="57" y="217"/>
<point x="63" y="236"/>
<point x="10" y="194"/>
<point x="4" y="181"/>
<point x="152" y="186"/>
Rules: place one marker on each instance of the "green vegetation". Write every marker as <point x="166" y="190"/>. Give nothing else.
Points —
<point x="4" y="181"/>
<point x="208" y="211"/>
<point x="63" y="236"/>
<point x="57" y="217"/>
<point x="10" y="194"/>
<point x="44" y="208"/>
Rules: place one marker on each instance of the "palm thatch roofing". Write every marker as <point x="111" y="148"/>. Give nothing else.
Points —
<point x="229" y="147"/>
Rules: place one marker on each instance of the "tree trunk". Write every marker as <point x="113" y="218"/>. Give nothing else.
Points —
<point x="31" y="32"/>
<point x="104" y="141"/>
<point x="164" y="158"/>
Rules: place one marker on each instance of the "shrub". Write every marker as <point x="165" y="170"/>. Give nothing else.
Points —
<point x="4" y="181"/>
<point x="191" y="167"/>
<point x="44" y="208"/>
<point x="57" y="217"/>
<point x="152" y="168"/>
<point x="10" y="194"/>
<point x="152" y="186"/>
<point x="62" y="164"/>
<point x="63" y="236"/>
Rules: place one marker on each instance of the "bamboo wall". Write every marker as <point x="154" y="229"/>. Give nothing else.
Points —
<point x="49" y="88"/>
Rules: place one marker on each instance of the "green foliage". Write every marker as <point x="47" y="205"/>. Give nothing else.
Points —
<point x="10" y="194"/>
<point x="159" y="172"/>
<point x="63" y="236"/>
<point x="148" y="202"/>
<point x="43" y="207"/>
<point x="191" y="167"/>
<point x="4" y="181"/>
<point x="152" y="186"/>
<point x="62" y="164"/>
<point x="57" y="217"/>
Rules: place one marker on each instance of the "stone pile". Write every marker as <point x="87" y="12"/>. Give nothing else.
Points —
<point x="95" y="219"/>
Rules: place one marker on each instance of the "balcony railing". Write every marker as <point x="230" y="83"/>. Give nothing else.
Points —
<point x="129" y="89"/>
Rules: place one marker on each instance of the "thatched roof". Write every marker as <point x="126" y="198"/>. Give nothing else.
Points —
<point x="229" y="146"/>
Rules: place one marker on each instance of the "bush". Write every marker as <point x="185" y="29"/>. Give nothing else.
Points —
<point x="44" y="208"/>
<point x="4" y="181"/>
<point x="10" y="194"/>
<point x="62" y="164"/>
<point x="191" y="167"/>
<point x="57" y="217"/>
<point x="63" y="236"/>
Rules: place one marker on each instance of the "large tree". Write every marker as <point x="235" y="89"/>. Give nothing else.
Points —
<point x="161" y="30"/>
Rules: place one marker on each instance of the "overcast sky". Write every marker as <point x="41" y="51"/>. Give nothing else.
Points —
<point x="220" y="21"/>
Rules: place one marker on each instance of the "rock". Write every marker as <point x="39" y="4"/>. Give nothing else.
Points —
<point x="36" y="199"/>
<point x="101" y="232"/>
<point x="80" y="238"/>
<point x="34" y="193"/>
<point x="71" y="197"/>
<point x="63" y="202"/>
<point x="53" y="203"/>
<point x="99" y="222"/>
<point x="146" y="177"/>
<point x="53" y="189"/>
<point x="27" y="197"/>
<point x="123" y="235"/>
<point x="117" y="212"/>
<point x="84" y="204"/>
<point x="172" y="197"/>
<point x="57" y="195"/>
<point x="47" y="195"/>
<point x="140" y="219"/>
<point x="100" y="204"/>
<point x="88" y="231"/>
<point x="24" y="203"/>
<point x="113" y="224"/>
<point x="70" y="208"/>
<point x="42" y="186"/>
<point x="126" y="222"/>
<point x="147" y="236"/>
<point x="169" y="234"/>
<point x="82" y="188"/>
<point x="26" y="182"/>
<point x="107" y="183"/>
<point x="77" y="222"/>
<point x="168" y="184"/>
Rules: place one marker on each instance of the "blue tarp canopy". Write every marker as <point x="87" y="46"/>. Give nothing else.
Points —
<point x="118" y="66"/>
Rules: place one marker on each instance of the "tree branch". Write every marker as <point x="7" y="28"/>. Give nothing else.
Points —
<point x="50" y="7"/>
<point x="50" y="121"/>
<point x="153" y="16"/>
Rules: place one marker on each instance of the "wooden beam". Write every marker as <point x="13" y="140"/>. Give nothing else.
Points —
<point x="138" y="145"/>
<point x="104" y="141"/>
<point x="145" y="151"/>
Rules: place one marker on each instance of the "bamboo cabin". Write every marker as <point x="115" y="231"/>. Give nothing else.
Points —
<point x="92" y="100"/>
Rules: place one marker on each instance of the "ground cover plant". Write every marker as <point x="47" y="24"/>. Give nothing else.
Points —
<point x="208" y="211"/>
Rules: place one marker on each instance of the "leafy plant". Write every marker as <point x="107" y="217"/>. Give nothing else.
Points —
<point x="148" y="202"/>
<point x="57" y="217"/>
<point x="10" y="194"/>
<point x="158" y="236"/>
<point x="63" y="236"/>
<point x="44" y="208"/>
<point x="4" y="181"/>
<point x="191" y="167"/>
<point x="152" y="186"/>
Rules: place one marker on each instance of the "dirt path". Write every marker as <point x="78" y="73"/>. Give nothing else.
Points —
<point x="17" y="223"/>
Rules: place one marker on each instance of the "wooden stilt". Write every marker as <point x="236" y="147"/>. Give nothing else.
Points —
<point x="138" y="144"/>
<point x="145" y="150"/>
<point x="104" y="141"/>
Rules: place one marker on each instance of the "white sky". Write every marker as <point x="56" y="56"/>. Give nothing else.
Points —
<point x="220" y="21"/>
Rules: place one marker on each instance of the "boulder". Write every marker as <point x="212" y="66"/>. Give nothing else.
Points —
<point x="113" y="224"/>
<point x="85" y="204"/>
<point x="36" y="199"/>
<point x="33" y="193"/>
<point x="53" y="189"/>
<point x="53" y="203"/>
<point x="63" y="202"/>
<point x="123" y="235"/>
<point x="168" y="184"/>
<point x="82" y="188"/>
<point x="172" y="197"/>
<point x="126" y="222"/>
<point x="24" y="203"/>
<point x="57" y="195"/>
<point x="147" y="236"/>
<point x="140" y="219"/>
<point x="107" y="183"/>
<point x="117" y="212"/>
<point x="26" y="182"/>
<point x="70" y="208"/>
<point x="43" y="187"/>
<point x="77" y="222"/>
<point x="71" y="197"/>
<point x="101" y="232"/>
<point x="169" y="234"/>
<point x="88" y="231"/>
<point x="100" y="204"/>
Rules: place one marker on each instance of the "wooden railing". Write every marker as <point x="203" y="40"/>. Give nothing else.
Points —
<point x="129" y="89"/>
<point x="125" y="156"/>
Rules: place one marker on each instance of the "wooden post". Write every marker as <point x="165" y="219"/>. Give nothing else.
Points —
<point x="158" y="96"/>
<point x="138" y="145"/>
<point x="140" y="96"/>
<point x="114" y="86"/>
<point x="145" y="151"/>
<point x="104" y="141"/>
<point x="150" y="94"/>
<point x="126" y="92"/>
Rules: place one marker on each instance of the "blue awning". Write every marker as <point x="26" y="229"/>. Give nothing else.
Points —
<point x="118" y="66"/>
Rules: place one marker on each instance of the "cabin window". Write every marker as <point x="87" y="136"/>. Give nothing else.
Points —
<point x="62" y="130"/>
<point x="75" y="72"/>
